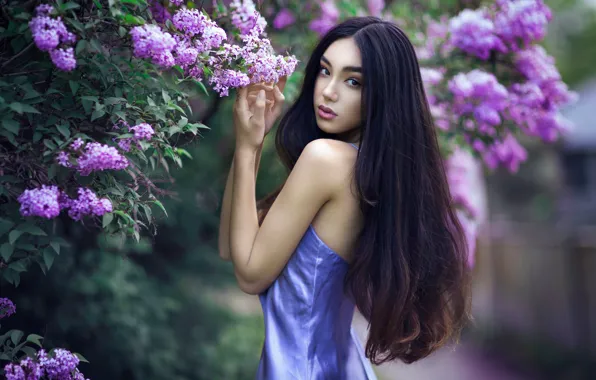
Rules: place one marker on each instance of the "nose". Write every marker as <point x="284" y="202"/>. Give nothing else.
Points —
<point x="329" y="92"/>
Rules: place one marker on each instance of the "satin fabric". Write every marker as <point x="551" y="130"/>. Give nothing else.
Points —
<point x="308" y="334"/>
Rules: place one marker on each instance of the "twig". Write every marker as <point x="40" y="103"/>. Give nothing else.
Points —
<point x="17" y="55"/>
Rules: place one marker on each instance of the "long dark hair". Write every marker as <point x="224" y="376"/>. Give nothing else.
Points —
<point x="409" y="275"/>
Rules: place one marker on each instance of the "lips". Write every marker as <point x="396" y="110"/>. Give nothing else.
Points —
<point x="327" y="110"/>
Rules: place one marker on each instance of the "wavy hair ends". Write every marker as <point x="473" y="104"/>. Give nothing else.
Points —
<point x="409" y="275"/>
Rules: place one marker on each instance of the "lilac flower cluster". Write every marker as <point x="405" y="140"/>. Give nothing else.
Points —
<point x="149" y="41"/>
<point x="7" y="308"/>
<point x="100" y="157"/>
<point x="92" y="156"/>
<point x="474" y="32"/>
<point x="283" y="19"/>
<point x="327" y="19"/>
<point x="200" y="43"/>
<point x="43" y="202"/>
<point x="535" y="103"/>
<point x="245" y="16"/>
<point x="87" y="203"/>
<point x="48" y="201"/>
<point x="62" y="365"/>
<point x="50" y="35"/>
<point x="521" y="22"/>
<point x="142" y="131"/>
<point x="509" y="27"/>
<point x="159" y="12"/>
<point x="480" y="95"/>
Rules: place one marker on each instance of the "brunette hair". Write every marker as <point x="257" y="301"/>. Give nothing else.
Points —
<point x="409" y="275"/>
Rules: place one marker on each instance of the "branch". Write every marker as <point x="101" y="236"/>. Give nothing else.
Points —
<point x="16" y="55"/>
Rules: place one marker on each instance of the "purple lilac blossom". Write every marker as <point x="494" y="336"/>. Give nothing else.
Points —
<point x="327" y="19"/>
<point x="41" y="202"/>
<point x="49" y="33"/>
<point x="124" y="144"/>
<point x="7" y="308"/>
<point x="142" y="131"/>
<point x="88" y="203"/>
<point x="100" y="157"/>
<point x="473" y="32"/>
<point x="375" y="7"/>
<point x="149" y="41"/>
<point x="77" y="144"/>
<point x="190" y="21"/>
<point x="245" y="16"/>
<point x="14" y="372"/>
<point x="64" y="59"/>
<point x="283" y="19"/>
<point x="508" y="152"/>
<point x="521" y="22"/>
<point x="177" y="2"/>
<point x="224" y="79"/>
<point x="64" y="159"/>
<point x="159" y="12"/>
<point x="479" y="94"/>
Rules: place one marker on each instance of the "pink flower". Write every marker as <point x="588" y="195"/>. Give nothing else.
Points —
<point x="283" y="19"/>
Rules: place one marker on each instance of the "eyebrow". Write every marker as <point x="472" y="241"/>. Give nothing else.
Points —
<point x="346" y="69"/>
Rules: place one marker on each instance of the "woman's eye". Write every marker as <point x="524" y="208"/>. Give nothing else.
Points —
<point x="353" y="82"/>
<point x="324" y="71"/>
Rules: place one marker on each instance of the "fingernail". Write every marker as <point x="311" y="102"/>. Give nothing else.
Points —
<point x="261" y="94"/>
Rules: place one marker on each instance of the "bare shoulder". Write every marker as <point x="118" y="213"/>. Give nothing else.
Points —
<point x="329" y="159"/>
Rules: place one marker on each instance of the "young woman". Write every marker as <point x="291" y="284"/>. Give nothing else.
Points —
<point x="364" y="218"/>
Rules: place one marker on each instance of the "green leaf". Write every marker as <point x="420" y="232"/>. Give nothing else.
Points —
<point x="14" y="235"/>
<point x="74" y="85"/>
<point x="165" y="96"/>
<point x="5" y="226"/>
<point x="183" y="152"/>
<point x="77" y="24"/>
<point x="97" y="114"/>
<point x="64" y="130"/>
<point x="16" y="336"/>
<point x="6" y="251"/>
<point x="69" y="5"/>
<point x="48" y="256"/>
<point x="56" y="246"/>
<point x="125" y="216"/>
<point x="35" y="339"/>
<point x="31" y="229"/>
<point x="81" y="357"/>
<point x="50" y="144"/>
<point x="160" y="205"/>
<point x="18" y="266"/>
<point x="11" y="125"/>
<point x="202" y="87"/>
<point x="21" y="107"/>
<point x="107" y="219"/>
<point x="52" y="171"/>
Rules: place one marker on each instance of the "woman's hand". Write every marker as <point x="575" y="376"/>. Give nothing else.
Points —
<point x="274" y="103"/>
<point x="252" y="121"/>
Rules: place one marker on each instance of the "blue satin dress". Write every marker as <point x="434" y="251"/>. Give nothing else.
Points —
<point x="308" y="319"/>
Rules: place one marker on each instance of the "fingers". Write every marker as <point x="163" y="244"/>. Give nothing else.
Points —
<point x="258" y="114"/>
<point x="282" y="83"/>
<point x="252" y="97"/>
<point x="241" y="100"/>
<point x="279" y="101"/>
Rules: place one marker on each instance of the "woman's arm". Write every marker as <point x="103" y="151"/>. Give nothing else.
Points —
<point x="260" y="253"/>
<point x="224" y="220"/>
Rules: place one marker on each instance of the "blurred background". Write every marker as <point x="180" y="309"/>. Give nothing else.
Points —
<point x="168" y="308"/>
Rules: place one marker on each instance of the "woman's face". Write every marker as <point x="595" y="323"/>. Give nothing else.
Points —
<point x="338" y="89"/>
